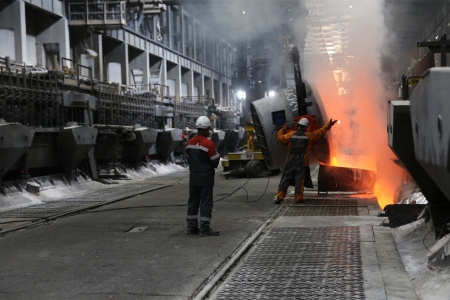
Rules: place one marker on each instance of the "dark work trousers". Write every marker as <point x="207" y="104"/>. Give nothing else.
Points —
<point x="199" y="197"/>
<point x="294" y="168"/>
<point x="183" y="153"/>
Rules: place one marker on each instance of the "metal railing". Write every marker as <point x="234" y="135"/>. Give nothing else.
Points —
<point x="125" y="109"/>
<point x="30" y="99"/>
<point x="193" y="106"/>
<point x="97" y="13"/>
<point x="77" y="74"/>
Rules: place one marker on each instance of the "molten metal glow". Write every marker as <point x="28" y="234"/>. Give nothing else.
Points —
<point x="333" y="161"/>
<point x="359" y="140"/>
<point x="383" y="195"/>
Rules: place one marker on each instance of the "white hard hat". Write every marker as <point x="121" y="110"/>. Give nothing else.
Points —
<point x="203" y="122"/>
<point x="303" y="122"/>
<point x="187" y="129"/>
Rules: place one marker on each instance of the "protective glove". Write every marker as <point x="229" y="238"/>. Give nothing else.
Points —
<point x="331" y="123"/>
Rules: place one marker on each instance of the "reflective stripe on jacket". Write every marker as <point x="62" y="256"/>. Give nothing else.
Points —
<point x="299" y="143"/>
<point x="203" y="159"/>
<point x="284" y="136"/>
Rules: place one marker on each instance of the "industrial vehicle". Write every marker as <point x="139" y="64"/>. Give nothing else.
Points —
<point x="249" y="162"/>
<point x="270" y="114"/>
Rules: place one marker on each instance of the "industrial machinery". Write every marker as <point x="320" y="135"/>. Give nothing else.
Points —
<point x="419" y="136"/>
<point x="248" y="163"/>
<point x="270" y="113"/>
<point x="15" y="141"/>
<point x="289" y="106"/>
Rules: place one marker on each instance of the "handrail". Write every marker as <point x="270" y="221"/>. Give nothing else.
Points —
<point x="77" y="70"/>
<point x="97" y="13"/>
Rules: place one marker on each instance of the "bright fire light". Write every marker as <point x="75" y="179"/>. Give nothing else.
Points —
<point x="360" y="141"/>
<point x="334" y="161"/>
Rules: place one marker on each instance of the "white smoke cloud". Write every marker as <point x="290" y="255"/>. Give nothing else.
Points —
<point x="244" y="19"/>
<point x="343" y="61"/>
<point x="352" y="50"/>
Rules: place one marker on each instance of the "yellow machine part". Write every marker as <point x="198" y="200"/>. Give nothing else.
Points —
<point x="241" y="156"/>
<point x="245" y="156"/>
<point x="250" y="162"/>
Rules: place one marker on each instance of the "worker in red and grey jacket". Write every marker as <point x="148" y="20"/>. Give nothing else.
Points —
<point x="203" y="159"/>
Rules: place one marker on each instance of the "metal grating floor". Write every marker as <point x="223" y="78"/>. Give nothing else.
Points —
<point x="300" y="263"/>
<point x="55" y="207"/>
<point x="47" y="209"/>
<point x="325" y="201"/>
<point x="321" y="211"/>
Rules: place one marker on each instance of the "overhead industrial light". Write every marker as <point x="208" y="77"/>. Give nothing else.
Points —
<point x="241" y="95"/>
<point x="90" y="54"/>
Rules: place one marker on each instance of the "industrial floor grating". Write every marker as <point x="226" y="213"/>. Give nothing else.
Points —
<point x="47" y="209"/>
<point x="300" y="263"/>
<point x="328" y="201"/>
<point x="321" y="211"/>
<point x="55" y="207"/>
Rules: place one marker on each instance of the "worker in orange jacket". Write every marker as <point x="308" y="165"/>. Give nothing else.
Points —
<point x="299" y="141"/>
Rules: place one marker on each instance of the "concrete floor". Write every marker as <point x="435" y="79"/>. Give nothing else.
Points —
<point x="138" y="248"/>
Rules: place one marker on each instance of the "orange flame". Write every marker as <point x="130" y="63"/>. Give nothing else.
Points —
<point x="333" y="161"/>
<point x="360" y="139"/>
<point x="349" y="83"/>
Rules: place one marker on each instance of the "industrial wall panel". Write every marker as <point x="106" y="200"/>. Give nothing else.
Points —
<point x="134" y="40"/>
<point x="141" y="43"/>
<point x="117" y="34"/>
<point x="184" y="62"/>
<point x="206" y="72"/>
<point x="156" y="50"/>
<point x="31" y="50"/>
<point x="7" y="45"/>
<point x="196" y="67"/>
<point x="170" y="56"/>
<point x="54" y="6"/>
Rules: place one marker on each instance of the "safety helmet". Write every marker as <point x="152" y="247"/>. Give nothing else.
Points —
<point x="187" y="129"/>
<point x="203" y="122"/>
<point x="303" y="122"/>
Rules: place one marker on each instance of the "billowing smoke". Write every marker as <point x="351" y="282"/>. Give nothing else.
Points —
<point x="343" y="61"/>
<point x="408" y="22"/>
<point x="349" y="55"/>
<point x="239" y="20"/>
<point x="259" y="28"/>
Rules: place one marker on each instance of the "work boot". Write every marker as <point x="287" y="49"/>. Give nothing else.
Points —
<point x="278" y="200"/>
<point x="209" y="232"/>
<point x="298" y="198"/>
<point x="193" y="231"/>
<point x="280" y="197"/>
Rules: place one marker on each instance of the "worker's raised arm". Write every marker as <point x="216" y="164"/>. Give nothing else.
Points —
<point x="283" y="135"/>
<point x="317" y="134"/>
